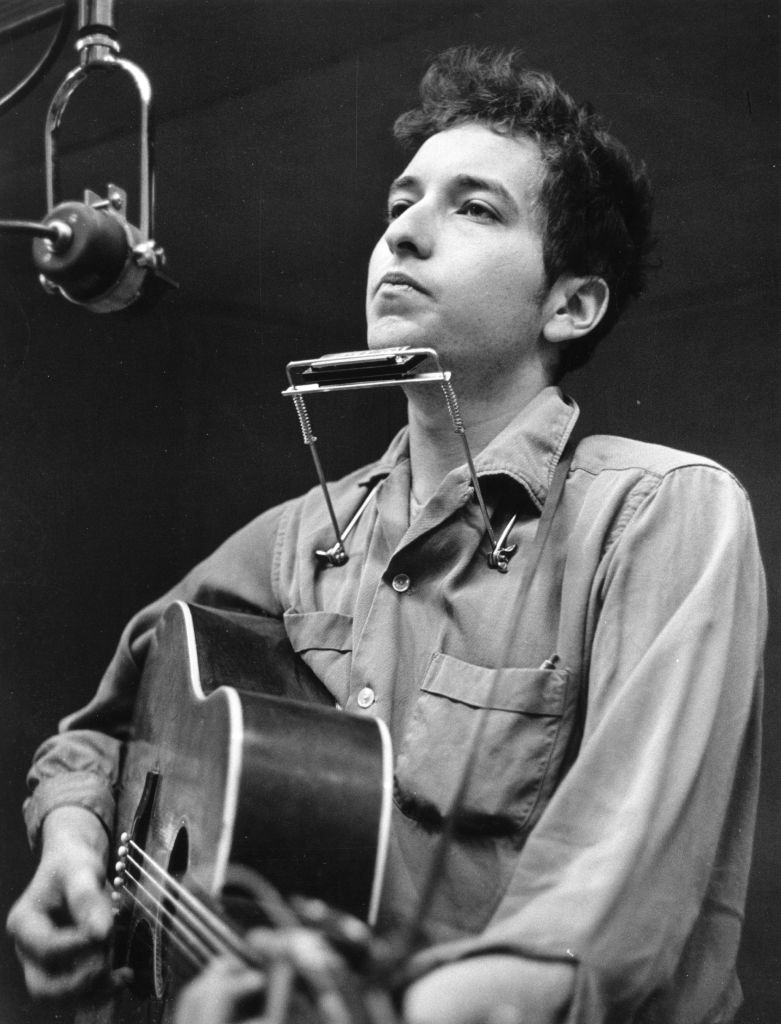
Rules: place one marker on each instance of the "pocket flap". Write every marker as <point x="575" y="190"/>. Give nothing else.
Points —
<point x="532" y="691"/>
<point x="319" y="631"/>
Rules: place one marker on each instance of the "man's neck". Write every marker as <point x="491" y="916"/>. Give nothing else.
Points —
<point x="436" y="449"/>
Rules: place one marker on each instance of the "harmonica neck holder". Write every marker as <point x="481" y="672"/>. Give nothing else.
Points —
<point x="351" y="371"/>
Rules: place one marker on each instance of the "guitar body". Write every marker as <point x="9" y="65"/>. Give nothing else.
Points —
<point x="216" y="776"/>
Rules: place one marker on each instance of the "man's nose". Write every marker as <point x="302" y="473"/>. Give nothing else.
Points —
<point x="412" y="232"/>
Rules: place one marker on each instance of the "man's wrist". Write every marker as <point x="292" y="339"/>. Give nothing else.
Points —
<point x="73" y="825"/>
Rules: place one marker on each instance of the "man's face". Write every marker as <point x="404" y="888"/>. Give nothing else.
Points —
<point x="460" y="266"/>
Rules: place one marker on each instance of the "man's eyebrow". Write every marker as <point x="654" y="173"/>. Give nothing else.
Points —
<point x="405" y="181"/>
<point x="461" y="182"/>
<point x="470" y="181"/>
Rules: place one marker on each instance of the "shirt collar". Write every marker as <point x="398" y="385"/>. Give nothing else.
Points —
<point x="397" y="450"/>
<point x="530" y="446"/>
<point x="527" y="450"/>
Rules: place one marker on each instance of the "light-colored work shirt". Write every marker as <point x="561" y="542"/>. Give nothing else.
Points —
<point x="609" y="813"/>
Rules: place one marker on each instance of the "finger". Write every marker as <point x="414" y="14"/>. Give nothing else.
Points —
<point x="48" y="951"/>
<point x="39" y="939"/>
<point x="247" y="984"/>
<point x="53" y="903"/>
<point x="42" y="938"/>
<point x="217" y="994"/>
<point x="89" y="992"/>
<point x="89" y="904"/>
<point x="246" y="987"/>
<point x="13" y="922"/>
<point x="76" y="978"/>
<point x="229" y="973"/>
<point x="32" y="903"/>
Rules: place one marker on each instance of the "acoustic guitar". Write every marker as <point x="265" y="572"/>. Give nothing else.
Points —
<point x="236" y="761"/>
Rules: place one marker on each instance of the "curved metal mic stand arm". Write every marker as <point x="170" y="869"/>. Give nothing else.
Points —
<point x="98" y="50"/>
<point x="114" y="260"/>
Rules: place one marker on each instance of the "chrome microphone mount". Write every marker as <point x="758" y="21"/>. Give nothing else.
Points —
<point x="96" y="258"/>
<point x="89" y="252"/>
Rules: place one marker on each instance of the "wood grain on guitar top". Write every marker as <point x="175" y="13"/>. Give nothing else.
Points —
<point x="215" y="775"/>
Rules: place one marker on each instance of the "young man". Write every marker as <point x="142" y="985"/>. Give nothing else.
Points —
<point x="598" y="867"/>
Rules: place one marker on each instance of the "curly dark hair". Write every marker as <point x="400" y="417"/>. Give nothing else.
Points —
<point x="596" y="200"/>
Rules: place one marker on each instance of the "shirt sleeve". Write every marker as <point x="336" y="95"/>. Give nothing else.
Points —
<point x="79" y="765"/>
<point x="641" y="857"/>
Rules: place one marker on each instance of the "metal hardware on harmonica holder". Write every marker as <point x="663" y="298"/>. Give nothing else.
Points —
<point x="349" y="371"/>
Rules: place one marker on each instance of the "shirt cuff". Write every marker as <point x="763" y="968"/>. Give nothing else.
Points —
<point x="80" y="789"/>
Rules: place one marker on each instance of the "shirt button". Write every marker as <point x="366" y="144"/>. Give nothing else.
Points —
<point x="401" y="583"/>
<point x="365" y="697"/>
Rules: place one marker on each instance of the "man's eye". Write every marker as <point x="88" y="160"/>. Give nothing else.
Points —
<point x="477" y="211"/>
<point x="397" y="207"/>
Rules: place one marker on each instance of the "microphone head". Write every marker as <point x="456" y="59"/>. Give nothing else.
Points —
<point x="96" y="258"/>
<point x="89" y="262"/>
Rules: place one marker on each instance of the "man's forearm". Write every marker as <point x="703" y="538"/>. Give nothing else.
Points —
<point x="494" y="987"/>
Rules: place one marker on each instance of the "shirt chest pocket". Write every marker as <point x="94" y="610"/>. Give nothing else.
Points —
<point x="324" y="640"/>
<point x="518" y="713"/>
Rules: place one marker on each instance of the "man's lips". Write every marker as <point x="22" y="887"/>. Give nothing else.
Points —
<point x="397" y="279"/>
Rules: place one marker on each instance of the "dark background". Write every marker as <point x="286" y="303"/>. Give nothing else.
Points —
<point x="133" y="443"/>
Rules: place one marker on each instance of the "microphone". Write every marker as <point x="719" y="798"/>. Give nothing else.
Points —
<point x="93" y="256"/>
<point x="89" y="252"/>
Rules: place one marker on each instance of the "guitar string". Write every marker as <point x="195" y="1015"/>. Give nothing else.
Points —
<point x="182" y="917"/>
<point x="195" y="908"/>
<point x="193" y="941"/>
<point x="321" y="980"/>
<point x="183" y="941"/>
<point x="191" y="908"/>
<point x="324" y="989"/>
<point x="181" y="958"/>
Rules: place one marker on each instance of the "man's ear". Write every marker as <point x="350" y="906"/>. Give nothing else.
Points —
<point x="574" y="306"/>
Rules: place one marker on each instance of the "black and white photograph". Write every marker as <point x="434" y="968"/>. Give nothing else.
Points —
<point x="389" y="531"/>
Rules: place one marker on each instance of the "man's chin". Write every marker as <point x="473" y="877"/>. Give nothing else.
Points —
<point x="393" y="333"/>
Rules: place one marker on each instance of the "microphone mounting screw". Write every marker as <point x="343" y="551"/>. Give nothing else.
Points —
<point x="147" y="254"/>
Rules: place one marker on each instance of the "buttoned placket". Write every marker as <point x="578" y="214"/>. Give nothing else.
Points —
<point x="392" y="552"/>
<point x="391" y="579"/>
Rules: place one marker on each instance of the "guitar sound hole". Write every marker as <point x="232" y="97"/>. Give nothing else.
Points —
<point x="175" y="949"/>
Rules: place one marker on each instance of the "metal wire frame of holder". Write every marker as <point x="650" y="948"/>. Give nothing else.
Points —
<point x="500" y="553"/>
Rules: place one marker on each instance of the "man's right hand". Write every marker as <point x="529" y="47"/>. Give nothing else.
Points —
<point x="61" y="924"/>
